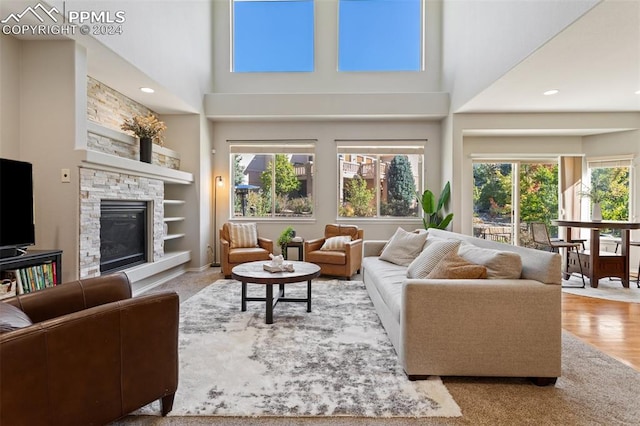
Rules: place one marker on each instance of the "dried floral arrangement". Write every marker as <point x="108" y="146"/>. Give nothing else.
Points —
<point x="145" y="127"/>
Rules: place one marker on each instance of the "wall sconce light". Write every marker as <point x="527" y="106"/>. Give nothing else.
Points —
<point x="219" y="183"/>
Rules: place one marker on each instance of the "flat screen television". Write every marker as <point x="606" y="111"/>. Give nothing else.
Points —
<point x="17" y="229"/>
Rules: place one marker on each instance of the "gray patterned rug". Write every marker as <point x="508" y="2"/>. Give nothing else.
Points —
<point x="334" y="361"/>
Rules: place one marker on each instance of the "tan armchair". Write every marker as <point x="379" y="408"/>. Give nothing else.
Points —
<point x="86" y="352"/>
<point x="235" y="256"/>
<point x="342" y="263"/>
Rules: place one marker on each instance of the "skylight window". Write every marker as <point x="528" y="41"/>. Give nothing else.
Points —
<point x="380" y="35"/>
<point x="273" y="35"/>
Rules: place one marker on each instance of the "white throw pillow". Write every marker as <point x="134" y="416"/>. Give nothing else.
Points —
<point x="500" y="264"/>
<point x="243" y="235"/>
<point x="403" y="247"/>
<point x="336" y="243"/>
<point x="432" y="254"/>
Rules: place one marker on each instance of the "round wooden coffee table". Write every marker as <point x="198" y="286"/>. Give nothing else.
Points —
<point x="254" y="273"/>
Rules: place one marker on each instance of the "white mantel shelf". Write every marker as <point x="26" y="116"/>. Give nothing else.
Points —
<point x="102" y="161"/>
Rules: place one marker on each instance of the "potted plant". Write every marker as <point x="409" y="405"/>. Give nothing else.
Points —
<point x="433" y="218"/>
<point x="285" y="237"/>
<point x="597" y="195"/>
<point x="147" y="128"/>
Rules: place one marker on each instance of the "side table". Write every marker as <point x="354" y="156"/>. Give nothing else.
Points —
<point x="292" y="244"/>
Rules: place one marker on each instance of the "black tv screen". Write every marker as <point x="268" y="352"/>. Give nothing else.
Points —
<point x="17" y="229"/>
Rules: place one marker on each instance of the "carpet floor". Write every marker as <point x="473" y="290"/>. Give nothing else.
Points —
<point x="594" y="389"/>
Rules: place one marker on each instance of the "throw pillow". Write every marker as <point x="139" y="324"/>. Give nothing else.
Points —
<point x="336" y="243"/>
<point x="403" y="247"/>
<point x="500" y="264"/>
<point x="243" y="235"/>
<point x="453" y="266"/>
<point x="12" y="318"/>
<point x="432" y="254"/>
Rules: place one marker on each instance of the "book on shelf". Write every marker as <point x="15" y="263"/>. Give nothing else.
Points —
<point x="33" y="278"/>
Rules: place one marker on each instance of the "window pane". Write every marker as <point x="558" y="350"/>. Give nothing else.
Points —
<point x="272" y="35"/>
<point x="492" y="214"/>
<point x="373" y="185"/>
<point x="538" y="199"/>
<point x="255" y="190"/>
<point x="379" y="35"/>
<point x="612" y="186"/>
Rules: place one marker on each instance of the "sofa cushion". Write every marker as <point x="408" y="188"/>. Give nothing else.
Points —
<point x="389" y="280"/>
<point x="248" y="254"/>
<point x="433" y="253"/>
<point x="330" y="257"/>
<point x="243" y="235"/>
<point x="12" y="318"/>
<point x="500" y="264"/>
<point x="403" y="247"/>
<point x="452" y="266"/>
<point x="335" y="243"/>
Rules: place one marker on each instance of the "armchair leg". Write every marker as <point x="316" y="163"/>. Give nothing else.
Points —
<point x="166" y="404"/>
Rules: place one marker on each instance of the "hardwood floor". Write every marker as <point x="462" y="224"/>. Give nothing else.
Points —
<point x="613" y="327"/>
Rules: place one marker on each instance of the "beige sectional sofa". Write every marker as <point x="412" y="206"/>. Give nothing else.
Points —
<point x="471" y="327"/>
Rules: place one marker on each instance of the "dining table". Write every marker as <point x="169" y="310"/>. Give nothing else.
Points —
<point x="600" y="264"/>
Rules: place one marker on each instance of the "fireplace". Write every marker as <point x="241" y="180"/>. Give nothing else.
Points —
<point x="123" y="234"/>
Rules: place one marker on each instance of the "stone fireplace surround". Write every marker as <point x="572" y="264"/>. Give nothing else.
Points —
<point x="97" y="185"/>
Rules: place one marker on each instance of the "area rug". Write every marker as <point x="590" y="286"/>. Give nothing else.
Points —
<point x="334" y="361"/>
<point x="607" y="289"/>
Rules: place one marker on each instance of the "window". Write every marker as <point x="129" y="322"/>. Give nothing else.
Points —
<point x="272" y="180"/>
<point x="272" y="35"/>
<point x="379" y="182"/>
<point x="608" y="183"/>
<point x="504" y="205"/>
<point x="380" y="35"/>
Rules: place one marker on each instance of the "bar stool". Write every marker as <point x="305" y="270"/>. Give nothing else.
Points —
<point x="632" y="244"/>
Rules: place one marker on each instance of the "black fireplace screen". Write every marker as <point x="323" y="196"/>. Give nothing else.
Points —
<point x="123" y="234"/>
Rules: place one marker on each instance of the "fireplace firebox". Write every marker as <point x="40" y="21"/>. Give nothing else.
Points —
<point x="123" y="234"/>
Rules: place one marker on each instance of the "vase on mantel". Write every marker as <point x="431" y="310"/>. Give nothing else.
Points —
<point x="596" y="212"/>
<point x="146" y="149"/>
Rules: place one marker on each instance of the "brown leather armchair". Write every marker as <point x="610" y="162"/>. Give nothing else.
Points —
<point x="337" y="263"/>
<point x="231" y="257"/>
<point x="92" y="354"/>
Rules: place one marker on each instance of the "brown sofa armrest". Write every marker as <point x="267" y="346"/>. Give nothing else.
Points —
<point x="73" y="296"/>
<point x="353" y="250"/>
<point x="313" y="245"/>
<point x="113" y="358"/>
<point x="266" y="244"/>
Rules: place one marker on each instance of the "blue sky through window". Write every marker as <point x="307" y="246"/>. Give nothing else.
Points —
<point x="380" y="35"/>
<point x="273" y="36"/>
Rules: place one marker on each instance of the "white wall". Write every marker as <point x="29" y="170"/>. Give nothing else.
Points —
<point x="52" y="98"/>
<point x="326" y="182"/>
<point x="482" y="40"/>
<point x="325" y="78"/>
<point x="170" y="40"/>
<point x="9" y="97"/>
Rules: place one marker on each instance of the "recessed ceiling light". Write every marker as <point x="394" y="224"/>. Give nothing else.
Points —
<point x="637" y="92"/>
<point x="147" y="89"/>
<point x="551" y="92"/>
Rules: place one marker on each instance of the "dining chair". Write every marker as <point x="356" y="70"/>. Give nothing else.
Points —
<point x="541" y="237"/>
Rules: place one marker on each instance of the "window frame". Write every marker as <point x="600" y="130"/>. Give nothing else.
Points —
<point x="421" y="48"/>
<point x="378" y="149"/>
<point x="614" y="161"/>
<point x="232" y="43"/>
<point x="273" y="148"/>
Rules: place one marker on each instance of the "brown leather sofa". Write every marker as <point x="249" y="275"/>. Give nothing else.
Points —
<point x="92" y="354"/>
<point x="342" y="263"/>
<point x="231" y="257"/>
